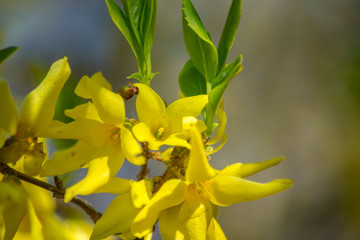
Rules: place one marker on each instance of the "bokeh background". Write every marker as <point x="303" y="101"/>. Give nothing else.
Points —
<point x="298" y="96"/>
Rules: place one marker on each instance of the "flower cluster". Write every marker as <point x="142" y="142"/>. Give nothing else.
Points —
<point x="184" y="200"/>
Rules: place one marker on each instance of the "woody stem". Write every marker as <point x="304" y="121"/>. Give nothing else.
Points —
<point x="58" y="191"/>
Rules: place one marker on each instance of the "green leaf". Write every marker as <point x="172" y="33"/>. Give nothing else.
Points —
<point x="147" y="31"/>
<point x="133" y="10"/>
<point x="121" y="21"/>
<point x="229" y="32"/>
<point x="219" y="86"/>
<point x="202" y="51"/>
<point x="140" y="77"/>
<point x="136" y="76"/>
<point x="191" y="82"/>
<point x="137" y="23"/>
<point x="223" y="79"/>
<point x="148" y="22"/>
<point x="6" y="52"/>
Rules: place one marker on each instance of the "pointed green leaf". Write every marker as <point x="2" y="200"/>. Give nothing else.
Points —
<point x="202" y="51"/>
<point x="120" y="20"/>
<point x="229" y="32"/>
<point x="147" y="30"/>
<point x="191" y="82"/>
<point x="137" y="22"/>
<point x="136" y="76"/>
<point x="140" y="77"/>
<point x="133" y="10"/>
<point x="6" y="52"/>
<point x="148" y="21"/>
<point x="219" y="86"/>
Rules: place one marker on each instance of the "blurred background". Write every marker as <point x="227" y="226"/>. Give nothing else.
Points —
<point x="298" y="96"/>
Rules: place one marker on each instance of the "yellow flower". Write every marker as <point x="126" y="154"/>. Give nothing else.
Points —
<point x="104" y="140"/>
<point x="119" y="215"/>
<point x="29" y="212"/>
<point x="185" y="207"/>
<point x="161" y="125"/>
<point x="36" y="115"/>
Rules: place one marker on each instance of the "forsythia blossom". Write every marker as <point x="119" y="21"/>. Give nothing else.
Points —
<point x="41" y="222"/>
<point x="36" y="115"/>
<point x="161" y="125"/>
<point x="103" y="138"/>
<point x="184" y="207"/>
<point x="184" y="200"/>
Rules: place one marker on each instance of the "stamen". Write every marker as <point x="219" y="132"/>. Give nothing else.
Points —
<point x="115" y="134"/>
<point x="159" y="133"/>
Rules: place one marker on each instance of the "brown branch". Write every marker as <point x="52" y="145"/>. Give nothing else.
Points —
<point x="144" y="171"/>
<point x="176" y="160"/>
<point x="58" y="190"/>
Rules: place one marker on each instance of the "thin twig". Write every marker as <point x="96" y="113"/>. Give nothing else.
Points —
<point x="58" y="191"/>
<point x="144" y="171"/>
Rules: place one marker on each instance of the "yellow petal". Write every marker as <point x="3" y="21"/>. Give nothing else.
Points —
<point x="140" y="193"/>
<point x="193" y="219"/>
<point x="223" y="141"/>
<point x="190" y="122"/>
<point x="41" y="199"/>
<point x="215" y="232"/>
<point x="169" y="224"/>
<point x="222" y="124"/>
<point x="13" y="206"/>
<point x="244" y="170"/>
<point x="198" y="168"/>
<point x="90" y="131"/>
<point x="86" y="110"/>
<point x="9" y="115"/>
<point x="116" y="219"/>
<point x="149" y="105"/>
<point x="82" y="89"/>
<point x="39" y="105"/>
<point x="190" y="106"/>
<point x="251" y="168"/>
<point x="35" y="224"/>
<point x="68" y="160"/>
<point x="107" y="162"/>
<point x="227" y="190"/>
<point x="172" y="193"/>
<point x="109" y="105"/>
<point x="233" y="170"/>
<point x="176" y="140"/>
<point x="55" y="124"/>
<point x="143" y="134"/>
<point x="115" y="186"/>
<point x="148" y="236"/>
<point x="131" y="148"/>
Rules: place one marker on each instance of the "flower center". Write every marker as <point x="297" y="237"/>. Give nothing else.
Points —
<point x="160" y="129"/>
<point x="115" y="135"/>
<point x="195" y="191"/>
<point x="159" y="133"/>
